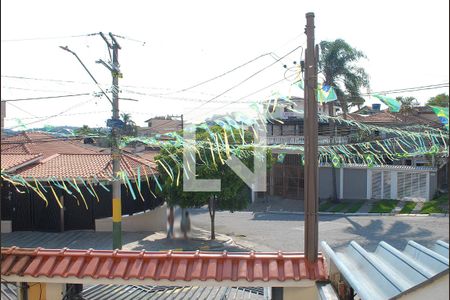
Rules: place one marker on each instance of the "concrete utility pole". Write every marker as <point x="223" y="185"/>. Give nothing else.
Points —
<point x="115" y="151"/>
<point x="311" y="128"/>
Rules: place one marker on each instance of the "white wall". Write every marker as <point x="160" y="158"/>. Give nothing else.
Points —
<point x="154" y="220"/>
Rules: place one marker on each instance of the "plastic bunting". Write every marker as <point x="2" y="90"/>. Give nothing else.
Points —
<point x="393" y="104"/>
<point x="442" y="114"/>
<point x="325" y="93"/>
<point x="403" y="142"/>
<point x="280" y="158"/>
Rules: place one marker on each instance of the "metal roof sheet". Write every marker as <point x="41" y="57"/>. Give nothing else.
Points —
<point x="387" y="272"/>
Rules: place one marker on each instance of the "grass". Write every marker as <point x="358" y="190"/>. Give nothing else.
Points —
<point x="408" y="207"/>
<point x="326" y="205"/>
<point x="355" y="207"/>
<point x="384" y="206"/>
<point x="340" y="207"/>
<point x="435" y="205"/>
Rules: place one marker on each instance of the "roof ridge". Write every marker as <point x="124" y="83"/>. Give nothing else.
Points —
<point x="50" y="158"/>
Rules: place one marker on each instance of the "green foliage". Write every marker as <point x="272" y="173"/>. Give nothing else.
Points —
<point x="130" y="128"/>
<point x="384" y="206"/>
<point x="441" y="100"/>
<point x="437" y="205"/>
<point x="85" y="130"/>
<point x="338" y="64"/>
<point x="234" y="194"/>
<point x="354" y="207"/>
<point x="408" y="207"/>
<point x="340" y="207"/>
<point x="325" y="206"/>
<point x="408" y="103"/>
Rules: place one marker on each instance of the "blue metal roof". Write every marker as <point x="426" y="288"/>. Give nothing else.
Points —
<point x="387" y="272"/>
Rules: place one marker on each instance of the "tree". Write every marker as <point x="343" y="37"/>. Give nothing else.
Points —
<point x="408" y="103"/>
<point x="439" y="100"/>
<point x="85" y="130"/>
<point x="130" y="128"/>
<point x="234" y="194"/>
<point x="337" y="64"/>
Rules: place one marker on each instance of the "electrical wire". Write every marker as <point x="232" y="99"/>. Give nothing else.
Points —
<point x="47" y="38"/>
<point x="47" y="97"/>
<point x="219" y="76"/>
<point x="55" y="115"/>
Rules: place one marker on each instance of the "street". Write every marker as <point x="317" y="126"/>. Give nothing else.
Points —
<point x="272" y="232"/>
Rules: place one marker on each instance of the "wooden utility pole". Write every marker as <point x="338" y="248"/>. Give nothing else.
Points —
<point x="115" y="124"/>
<point x="311" y="128"/>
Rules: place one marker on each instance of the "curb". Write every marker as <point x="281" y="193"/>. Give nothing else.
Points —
<point x="360" y="214"/>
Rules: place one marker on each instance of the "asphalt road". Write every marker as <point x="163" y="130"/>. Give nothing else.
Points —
<point x="272" y="232"/>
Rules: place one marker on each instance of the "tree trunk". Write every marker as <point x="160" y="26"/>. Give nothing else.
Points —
<point x="212" y="215"/>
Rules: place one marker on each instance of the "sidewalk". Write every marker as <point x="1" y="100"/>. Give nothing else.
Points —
<point x="280" y="205"/>
<point x="150" y="241"/>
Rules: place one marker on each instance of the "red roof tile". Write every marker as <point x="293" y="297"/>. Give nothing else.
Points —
<point x="170" y="265"/>
<point x="37" y="142"/>
<point x="85" y="166"/>
<point x="10" y="162"/>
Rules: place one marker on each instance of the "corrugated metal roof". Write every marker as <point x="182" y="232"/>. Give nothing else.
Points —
<point x="165" y="265"/>
<point x="132" y="292"/>
<point x="387" y="272"/>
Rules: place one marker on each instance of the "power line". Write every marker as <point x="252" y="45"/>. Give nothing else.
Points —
<point x="65" y="115"/>
<point x="47" y="38"/>
<point x="47" y="97"/>
<point x="413" y="89"/>
<point x="248" y="78"/>
<point x="246" y="96"/>
<point x="55" y="115"/>
<point x="221" y="75"/>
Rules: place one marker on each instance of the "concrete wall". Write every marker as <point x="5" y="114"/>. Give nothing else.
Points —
<point x="3" y="112"/>
<point x="355" y="183"/>
<point x="436" y="288"/>
<point x="6" y="226"/>
<point x="433" y="185"/>
<point x="154" y="220"/>
<point x="325" y="182"/>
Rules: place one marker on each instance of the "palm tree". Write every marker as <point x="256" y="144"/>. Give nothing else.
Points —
<point x="130" y="125"/>
<point x="337" y="64"/>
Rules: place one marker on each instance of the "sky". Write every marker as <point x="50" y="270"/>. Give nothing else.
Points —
<point x="188" y="42"/>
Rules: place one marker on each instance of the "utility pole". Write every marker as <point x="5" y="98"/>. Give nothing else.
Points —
<point x="115" y="135"/>
<point x="311" y="128"/>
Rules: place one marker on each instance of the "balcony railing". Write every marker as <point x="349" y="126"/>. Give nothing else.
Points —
<point x="300" y="140"/>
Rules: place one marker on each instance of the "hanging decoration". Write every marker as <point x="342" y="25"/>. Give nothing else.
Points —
<point x="393" y="104"/>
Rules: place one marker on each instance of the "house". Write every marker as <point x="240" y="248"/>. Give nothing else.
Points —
<point x="161" y="125"/>
<point x="287" y="275"/>
<point x="69" y="186"/>
<point x="413" y="177"/>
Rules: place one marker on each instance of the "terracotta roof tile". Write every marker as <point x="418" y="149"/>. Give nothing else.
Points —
<point x="13" y="161"/>
<point x="37" y="142"/>
<point x="173" y="266"/>
<point x="84" y="166"/>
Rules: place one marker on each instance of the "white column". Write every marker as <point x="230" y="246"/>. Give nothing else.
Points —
<point x="428" y="187"/>
<point x="394" y="192"/>
<point x="341" y="183"/>
<point x="369" y="183"/>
